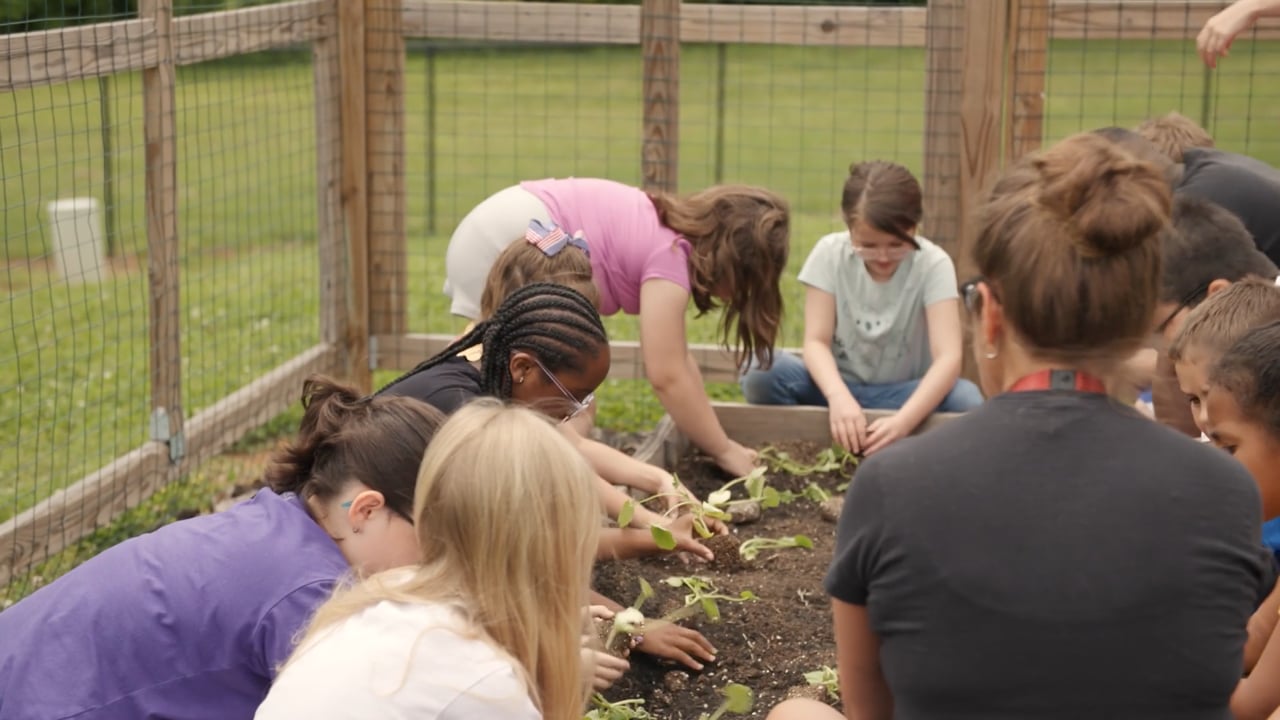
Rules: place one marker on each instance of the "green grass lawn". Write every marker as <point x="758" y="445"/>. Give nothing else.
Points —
<point x="73" y="363"/>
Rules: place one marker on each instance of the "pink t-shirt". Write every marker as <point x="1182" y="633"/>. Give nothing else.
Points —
<point x="628" y="244"/>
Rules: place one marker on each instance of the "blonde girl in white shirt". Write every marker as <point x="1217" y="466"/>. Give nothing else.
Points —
<point x="489" y="624"/>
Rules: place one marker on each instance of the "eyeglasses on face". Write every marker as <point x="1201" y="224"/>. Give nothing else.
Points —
<point x="971" y="296"/>
<point x="1189" y="300"/>
<point x="889" y="252"/>
<point x="579" y="406"/>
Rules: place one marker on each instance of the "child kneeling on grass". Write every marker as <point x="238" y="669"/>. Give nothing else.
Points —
<point x="1242" y="415"/>
<point x="194" y="619"/>
<point x="488" y="625"/>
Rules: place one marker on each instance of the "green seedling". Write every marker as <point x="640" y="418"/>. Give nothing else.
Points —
<point x="755" y="483"/>
<point x="738" y="699"/>
<point x="826" y="678"/>
<point x="751" y="548"/>
<point x="662" y="536"/>
<point x="833" y="459"/>
<point x="630" y="622"/>
<point x="622" y="710"/>
<point x="702" y="596"/>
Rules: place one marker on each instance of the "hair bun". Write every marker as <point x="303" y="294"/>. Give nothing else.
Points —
<point x="1111" y="201"/>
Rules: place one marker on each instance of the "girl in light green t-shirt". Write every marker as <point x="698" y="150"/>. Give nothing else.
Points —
<point x="881" y="320"/>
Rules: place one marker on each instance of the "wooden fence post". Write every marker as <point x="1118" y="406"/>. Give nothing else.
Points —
<point x="660" y="49"/>
<point x="967" y="62"/>
<point x="160" y="133"/>
<point x="384" y="51"/>
<point x="355" y="187"/>
<point x="334" y="270"/>
<point x="1029" y="43"/>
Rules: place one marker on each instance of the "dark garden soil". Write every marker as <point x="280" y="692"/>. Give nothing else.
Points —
<point x="766" y="644"/>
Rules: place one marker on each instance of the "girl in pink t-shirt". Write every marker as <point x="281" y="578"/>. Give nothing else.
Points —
<point x="648" y="255"/>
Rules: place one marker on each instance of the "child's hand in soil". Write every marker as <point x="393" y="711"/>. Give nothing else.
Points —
<point x="674" y="642"/>
<point x="687" y="538"/>
<point x="736" y="459"/>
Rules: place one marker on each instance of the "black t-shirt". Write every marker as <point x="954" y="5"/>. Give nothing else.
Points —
<point x="1247" y="187"/>
<point x="1054" y="555"/>
<point x="447" y="386"/>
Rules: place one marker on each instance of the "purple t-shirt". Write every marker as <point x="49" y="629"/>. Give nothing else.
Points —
<point x="190" y="621"/>
<point x="628" y="243"/>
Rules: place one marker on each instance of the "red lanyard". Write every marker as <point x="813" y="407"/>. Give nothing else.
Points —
<point x="1059" y="380"/>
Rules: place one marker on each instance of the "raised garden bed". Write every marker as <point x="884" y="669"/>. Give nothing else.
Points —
<point x="768" y="643"/>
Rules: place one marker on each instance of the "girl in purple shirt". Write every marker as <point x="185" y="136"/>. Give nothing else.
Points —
<point x="194" y="619"/>
<point x="647" y="255"/>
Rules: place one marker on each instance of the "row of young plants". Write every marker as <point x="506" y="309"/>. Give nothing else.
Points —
<point x="701" y="593"/>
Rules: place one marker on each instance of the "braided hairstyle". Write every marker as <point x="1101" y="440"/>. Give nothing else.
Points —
<point x="554" y="322"/>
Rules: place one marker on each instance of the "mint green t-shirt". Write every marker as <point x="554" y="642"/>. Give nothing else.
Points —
<point x="881" y="333"/>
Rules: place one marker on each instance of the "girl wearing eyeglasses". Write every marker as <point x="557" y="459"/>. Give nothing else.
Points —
<point x="881" y="320"/>
<point x="546" y="347"/>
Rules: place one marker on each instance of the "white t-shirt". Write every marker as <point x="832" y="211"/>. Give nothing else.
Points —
<point x="399" y="661"/>
<point x="881" y="335"/>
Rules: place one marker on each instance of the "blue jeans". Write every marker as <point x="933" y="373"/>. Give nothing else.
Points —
<point x="789" y="383"/>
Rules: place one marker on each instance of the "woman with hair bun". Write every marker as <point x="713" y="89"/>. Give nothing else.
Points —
<point x="1051" y="554"/>
<point x="194" y="619"/>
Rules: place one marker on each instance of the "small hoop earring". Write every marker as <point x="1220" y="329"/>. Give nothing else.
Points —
<point x="991" y="354"/>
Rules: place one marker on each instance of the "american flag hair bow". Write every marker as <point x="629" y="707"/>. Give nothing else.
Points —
<point x="551" y="240"/>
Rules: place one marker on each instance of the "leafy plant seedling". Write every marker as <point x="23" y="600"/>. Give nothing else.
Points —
<point x="832" y="459"/>
<point x="702" y="595"/>
<point x="662" y="536"/>
<point x="749" y="549"/>
<point x="826" y="678"/>
<point x="602" y="709"/>
<point x="738" y="700"/>
<point x="629" y="622"/>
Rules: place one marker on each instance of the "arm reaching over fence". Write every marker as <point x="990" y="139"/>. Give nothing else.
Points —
<point x="1215" y="38"/>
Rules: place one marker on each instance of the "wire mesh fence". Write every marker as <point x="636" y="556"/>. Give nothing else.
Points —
<point x="160" y="215"/>
<point x="258" y="204"/>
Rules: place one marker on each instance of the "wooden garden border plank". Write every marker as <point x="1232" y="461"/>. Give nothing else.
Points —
<point x="208" y="36"/>
<point x="95" y="500"/>
<point x="54" y="56"/>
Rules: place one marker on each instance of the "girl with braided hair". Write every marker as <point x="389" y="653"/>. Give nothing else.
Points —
<point x="195" y="619"/>
<point x="546" y="347"/>
<point x="649" y="255"/>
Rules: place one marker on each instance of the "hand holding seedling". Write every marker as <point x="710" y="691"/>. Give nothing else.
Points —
<point x="601" y="668"/>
